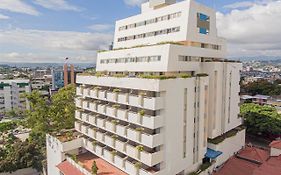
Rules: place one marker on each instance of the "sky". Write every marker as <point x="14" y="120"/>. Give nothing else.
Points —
<point x="50" y="30"/>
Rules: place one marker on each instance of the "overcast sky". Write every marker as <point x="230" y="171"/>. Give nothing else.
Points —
<point x="50" y="30"/>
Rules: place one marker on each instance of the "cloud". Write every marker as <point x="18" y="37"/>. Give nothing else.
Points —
<point x="4" y="17"/>
<point x="254" y="30"/>
<point x="65" y="40"/>
<point x="243" y="4"/>
<point x="18" y="6"/>
<point x="56" y="5"/>
<point x="27" y="57"/>
<point x="134" y="2"/>
<point x="51" y="46"/>
<point x="100" y="27"/>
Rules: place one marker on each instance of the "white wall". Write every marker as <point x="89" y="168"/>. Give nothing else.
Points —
<point x="224" y="99"/>
<point x="56" y="151"/>
<point x="229" y="147"/>
<point x="169" y="58"/>
<point x="275" y="152"/>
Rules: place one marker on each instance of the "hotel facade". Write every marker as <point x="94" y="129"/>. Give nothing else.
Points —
<point x="164" y="100"/>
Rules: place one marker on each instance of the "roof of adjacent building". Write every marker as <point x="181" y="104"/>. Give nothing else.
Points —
<point x="254" y="154"/>
<point x="251" y="161"/>
<point x="276" y="144"/>
<point x="87" y="160"/>
<point x="272" y="167"/>
<point x="235" y="166"/>
<point x="68" y="169"/>
<point x="264" y="97"/>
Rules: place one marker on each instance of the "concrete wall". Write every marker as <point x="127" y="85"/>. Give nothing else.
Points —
<point x="229" y="147"/>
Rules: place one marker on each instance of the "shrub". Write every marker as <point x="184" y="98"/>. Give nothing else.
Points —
<point x="202" y="75"/>
<point x="142" y="113"/>
<point x="205" y="166"/>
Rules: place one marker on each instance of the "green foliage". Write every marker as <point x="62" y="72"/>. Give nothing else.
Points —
<point x="54" y="115"/>
<point x="261" y="119"/>
<point x="228" y="134"/>
<point x="184" y="75"/>
<point x="7" y="126"/>
<point x="202" y="75"/>
<point x="160" y="77"/>
<point x="262" y="87"/>
<point x="74" y="157"/>
<point x="205" y="166"/>
<point x="95" y="168"/>
<point x="140" y="148"/>
<point x="119" y="75"/>
<point x="20" y="155"/>
<point x="142" y="112"/>
<point x="193" y="173"/>
<point x="138" y="165"/>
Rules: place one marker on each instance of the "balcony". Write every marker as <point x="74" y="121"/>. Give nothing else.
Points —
<point x="151" y="103"/>
<point x="119" y="160"/>
<point x="113" y="126"/>
<point x="123" y="146"/>
<point x="151" y="122"/>
<point x="79" y="91"/>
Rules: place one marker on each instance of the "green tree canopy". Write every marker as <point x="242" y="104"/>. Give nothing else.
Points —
<point x="261" y="119"/>
<point x="55" y="114"/>
<point x="263" y="87"/>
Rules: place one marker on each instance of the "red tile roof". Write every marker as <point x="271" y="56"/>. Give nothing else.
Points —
<point x="235" y="166"/>
<point x="254" y="154"/>
<point x="272" y="167"/>
<point x="105" y="168"/>
<point x="243" y="164"/>
<point x="276" y="144"/>
<point x="68" y="169"/>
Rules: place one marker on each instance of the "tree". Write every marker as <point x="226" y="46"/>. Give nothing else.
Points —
<point x="263" y="87"/>
<point x="261" y="119"/>
<point x="95" y="168"/>
<point x="21" y="155"/>
<point x="54" y="114"/>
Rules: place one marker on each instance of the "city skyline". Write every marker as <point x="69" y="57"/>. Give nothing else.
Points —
<point x="49" y="31"/>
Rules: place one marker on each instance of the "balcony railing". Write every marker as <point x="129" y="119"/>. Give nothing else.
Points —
<point x="149" y="159"/>
<point x="151" y="103"/>
<point x="121" y="162"/>
<point x="125" y="131"/>
<point x="151" y="122"/>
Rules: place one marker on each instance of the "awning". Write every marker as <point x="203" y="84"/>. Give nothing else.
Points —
<point x="212" y="154"/>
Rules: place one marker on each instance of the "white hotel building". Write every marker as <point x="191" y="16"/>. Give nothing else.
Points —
<point x="164" y="100"/>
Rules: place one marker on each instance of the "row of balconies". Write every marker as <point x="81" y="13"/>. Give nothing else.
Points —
<point x="152" y="103"/>
<point x="148" y="121"/>
<point x="138" y="135"/>
<point x="151" y="122"/>
<point x="119" y="160"/>
<point x="123" y="146"/>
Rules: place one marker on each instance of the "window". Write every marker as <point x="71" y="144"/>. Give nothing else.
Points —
<point x="151" y="21"/>
<point x="203" y="23"/>
<point x="131" y="59"/>
<point x="150" y="34"/>
<point x="189" y="58"/>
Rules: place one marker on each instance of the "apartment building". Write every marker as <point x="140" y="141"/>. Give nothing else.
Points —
<point x="11" y="94"/>
<point x="164" y="100"/>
